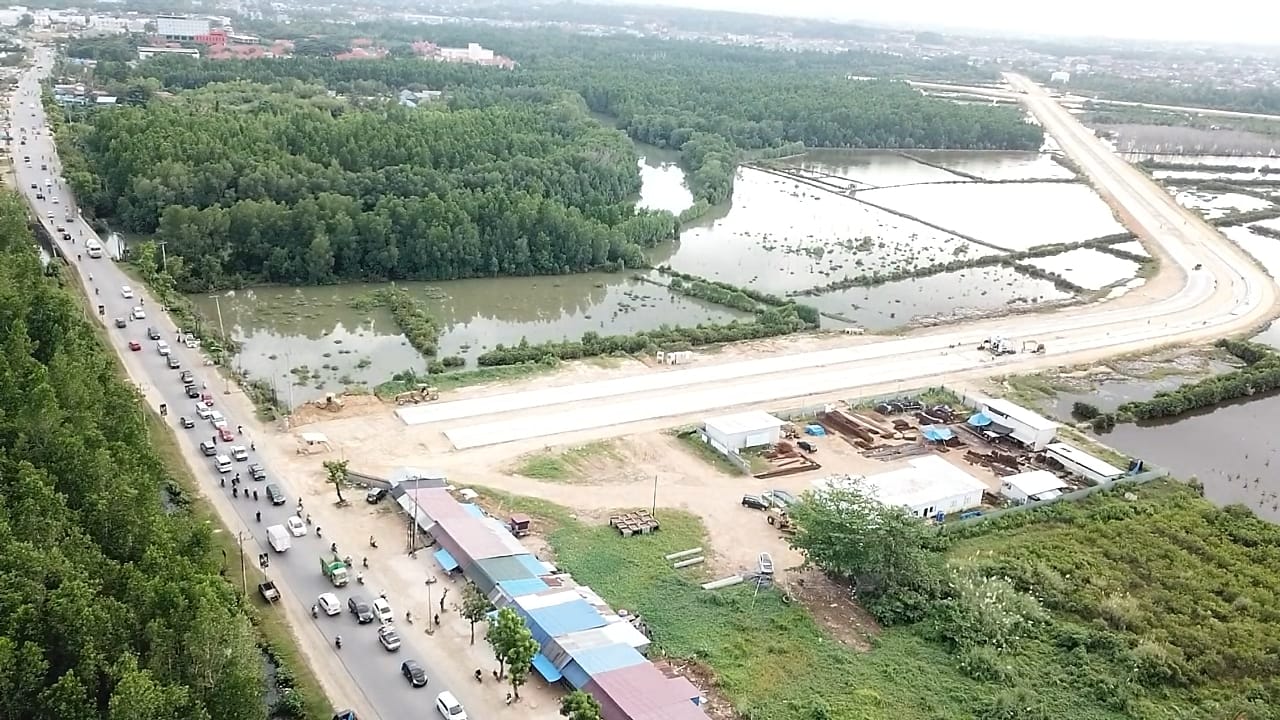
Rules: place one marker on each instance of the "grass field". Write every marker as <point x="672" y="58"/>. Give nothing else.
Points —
<point x="565" y="465"/>
<point x="1160" y="608"/>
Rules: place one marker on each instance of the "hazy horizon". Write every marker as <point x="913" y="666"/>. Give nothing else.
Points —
<point x="1175" y="22"/>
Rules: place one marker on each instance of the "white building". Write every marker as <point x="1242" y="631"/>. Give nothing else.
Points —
<point x="1032" y="486"/>
<point x="148" y="52"/>
<point x="181" y="27"/>
<point x="928" y="486"/>
<point x="1029" y="428"/>
<point x="730" y="433"/>
<point x="1081" y="463"/>
<point x="1061" y="76"/>
<point x="473" y="52"/>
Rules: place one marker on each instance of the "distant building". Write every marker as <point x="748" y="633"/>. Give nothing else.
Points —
<point x="473" y="54"/>
<point x="1032" y="486"/>
<point x="1001" y="417"/>
<point x="1061" y="76"/>
<point x="181" y="27"/>
<point x="149" y="52"/>
<point x="730" y="433"/>
<point x="929" y="486"/>
<point x="1082" y="464"/>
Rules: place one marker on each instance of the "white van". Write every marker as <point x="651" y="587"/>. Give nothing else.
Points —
<point x="223" y="463"/>
<point x="278" y="537"/>
<point x="93" y="248"/>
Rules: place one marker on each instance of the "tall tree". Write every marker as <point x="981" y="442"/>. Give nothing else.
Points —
<point x="475" y="607"/>
<point x="514" y="646"/>
<point x="578" y="705"/>
<point x="336" y="474"/>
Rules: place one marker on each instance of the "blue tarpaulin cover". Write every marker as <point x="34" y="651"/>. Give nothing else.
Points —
<point x="528" y="586"/>
<point x="979" y="419"/>
<point x="546" y="668"/>
<point x="472" y="509"/>
<point x="937" y="433"/>
<point x="815" y="430"/>
<point x="446" y="560"/>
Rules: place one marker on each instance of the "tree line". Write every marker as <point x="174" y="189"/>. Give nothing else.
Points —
<point x="1262" y="99"/>
<point x="252" y="183"/>
<point x="710" y="102"/>
<point x="112" y="607"/>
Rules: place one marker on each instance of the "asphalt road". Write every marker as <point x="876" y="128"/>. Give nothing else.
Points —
<point x="1208" y="288"/>
<point x="374" y="686"/>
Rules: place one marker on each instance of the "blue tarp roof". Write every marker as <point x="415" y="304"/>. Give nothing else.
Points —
<point x="532" y="564"/>
<point x="446" y="560"/>
<point x="937" y="433"/>
<point x="597" y="661"/>
<point x="556" y="620"/>
<point x="472" y="509"/>
<point x="979" y="419"/>
<point x="546" y="668"/>
<point x="527" y="586"/>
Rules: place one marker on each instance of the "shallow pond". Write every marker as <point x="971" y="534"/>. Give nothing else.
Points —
<point x="999" y="165"/>
<point x="1216" y="205"/>
<point x="873" y="168"/>
<point x="1089" y="268"/>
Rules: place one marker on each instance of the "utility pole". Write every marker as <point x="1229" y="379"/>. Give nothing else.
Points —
<point x="244" y="577"/>
<point x="222" y="330"/>
<point x="164" y="257"/>
<point x="653" y="510"/>
<point x="413" y="523"/>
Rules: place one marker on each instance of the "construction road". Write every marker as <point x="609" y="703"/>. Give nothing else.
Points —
<point x="1207" y="288"/>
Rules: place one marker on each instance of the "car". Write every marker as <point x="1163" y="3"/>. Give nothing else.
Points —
<point x="153" y="334"/>
<point x="49" y="214"/>
<point x="296" y="527"/>
<point x="192" y="391"/>
<point x="275" y="494"/>
<point x="216" y="418"/>
<point x="39" y="196"/>
<point x="120" y="323"/>
<point x="186" y="377"/>
<point x="59" y="228"/>
<point x="173" y="362"/>
<point x="186" y="422"/>
<point x="780" y="498"/>
<point x="202" y="411"/>
<point x="389" y="638"/>
<point x="54" y="199"/>
<point x="162" y="347"/>
<point x="257" y="472"/>
<point x="449" y="707"/>
<point x="755" y="502"/>
<point x="225" y="435"/>
<point x="361" y="608"/>
<point x="208" y="449"/>
<point x="126" y="292"/>
<point x="375" y="495"/>
<point x="382" y="610"/>
<point x="35" y="186"/>
<point x="414" y="673"/>
<point x="239" y="453"/>
<point x="138" y="313"/>
<point x="44" y="166"/>
<point x="329" y="603"/>
<point x="134" y="345"/>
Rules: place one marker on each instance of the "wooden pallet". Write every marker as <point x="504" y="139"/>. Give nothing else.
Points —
<point x="640" y="522"/>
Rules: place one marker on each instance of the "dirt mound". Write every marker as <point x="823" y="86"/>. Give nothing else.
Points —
<point x="352" y="406"/>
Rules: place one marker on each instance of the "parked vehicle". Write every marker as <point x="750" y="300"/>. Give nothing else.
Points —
<point x="269" y="591"/>
<point x="375" y="495"/>
<point x="755" y="502"/>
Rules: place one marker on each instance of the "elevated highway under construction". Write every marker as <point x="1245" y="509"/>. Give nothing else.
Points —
<point x="1206" y="288"/>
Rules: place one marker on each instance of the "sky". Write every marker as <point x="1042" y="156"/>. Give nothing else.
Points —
<point x="1220" y="21"/>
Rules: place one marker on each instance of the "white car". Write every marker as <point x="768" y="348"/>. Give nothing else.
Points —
<point x="382" y="611"/>
<point x="139" y="313"/>
<point x="329" y="604"/>
<point x="203" y="411"/>
<point x="162" y="347"/>
<point x="449" y="707"/>
<point x="54" y="199"/>
<point x="296" y="527"/>
<point x="126" y="292"/>
<point x="389" y="638"/>
<point x="215" y="417"/>
<point x="239" y="453"/>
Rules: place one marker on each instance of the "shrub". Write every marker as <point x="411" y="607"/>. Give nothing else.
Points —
<point x="1084" y="410"/>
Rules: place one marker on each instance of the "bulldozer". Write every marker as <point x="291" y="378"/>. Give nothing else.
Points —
<point x="1033" y="346"/>
<point x="331" y="402"/>
<point x="422" y="393"/>
<point x="779" y="519"/>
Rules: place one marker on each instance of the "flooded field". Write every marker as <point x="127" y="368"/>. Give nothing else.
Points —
<point x="663" y="181"/>
<point x="1090" y="269"/>
<point x="999" y="165"/>
<point x="947" y="296"/>
<point x="1177" y="141"/>
<point x="1263" y="249"/>
<point x="284" y="329"/>
<point x="1216" y="205"/>
<point x="873" y="168"/>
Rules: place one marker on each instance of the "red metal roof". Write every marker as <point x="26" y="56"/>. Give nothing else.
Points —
<point x="473" y="538"/>
<point x="642" y="692"/>
<point x="437" y="504"/>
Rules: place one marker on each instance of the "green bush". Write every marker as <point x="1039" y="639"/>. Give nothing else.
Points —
<point x="1084" y="410"/>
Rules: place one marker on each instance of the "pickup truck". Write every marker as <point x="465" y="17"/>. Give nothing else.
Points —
<point x="269" y="591"/>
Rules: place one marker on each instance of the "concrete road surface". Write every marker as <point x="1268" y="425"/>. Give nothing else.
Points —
<point x="362" y="675"/>
<point x="1216" y="290"/>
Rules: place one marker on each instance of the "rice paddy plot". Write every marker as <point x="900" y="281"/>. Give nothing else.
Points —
<point x="1216" y="205"/>
<point x="876" y="168"/>
<point x="1015" y="216"/>
<point x="1089" y="268"/>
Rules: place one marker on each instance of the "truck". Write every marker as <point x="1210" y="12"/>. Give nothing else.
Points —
<point x="997" y="345"/>
<point x="279" y="538"/>
<point x="269" y="591"/>
<point x="334" y="569"/>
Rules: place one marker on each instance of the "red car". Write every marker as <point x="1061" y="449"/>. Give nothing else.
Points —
<point x="226" y="434"/>
<point x="135" y="345"/>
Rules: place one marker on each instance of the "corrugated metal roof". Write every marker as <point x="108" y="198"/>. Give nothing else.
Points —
<point x="606" y="658"/>
<point x="560" y="650"/>
<point x="562" y="619"/>
<point x="532" y="564"/>
<point x="642" y="692"/>
<point x="474" y="538"/>
<point x="523" y="586"/>
<point x="489" y="572"/>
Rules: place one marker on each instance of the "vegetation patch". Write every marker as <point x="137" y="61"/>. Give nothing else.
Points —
<point x="408" y="379"/>
<point x="691" y="441"/>
<point x="566" y="465"/>
<point x="1260" y="374"/>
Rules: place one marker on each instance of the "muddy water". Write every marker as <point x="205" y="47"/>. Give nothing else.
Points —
<point x="1233" y="450"/>
<point x="281" y="330"/>
<point x="662" y="181"/>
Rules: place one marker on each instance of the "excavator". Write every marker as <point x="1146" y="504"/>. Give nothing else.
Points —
<point x="1033" y="346"/>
